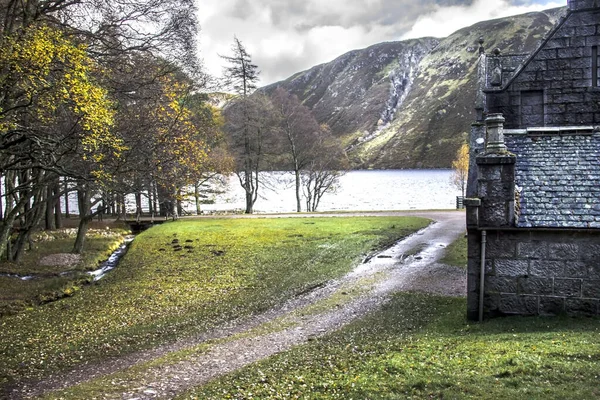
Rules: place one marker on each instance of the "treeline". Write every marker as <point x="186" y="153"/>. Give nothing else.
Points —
<point x="107" y="98"/>
<point x="107" y="95"/>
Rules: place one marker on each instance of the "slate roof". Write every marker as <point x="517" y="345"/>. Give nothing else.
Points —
<point x="558" y="177"/>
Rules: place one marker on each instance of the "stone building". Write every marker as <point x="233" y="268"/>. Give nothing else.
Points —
<point x="533" y="207"/>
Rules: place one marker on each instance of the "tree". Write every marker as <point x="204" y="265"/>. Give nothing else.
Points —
<point x="461" y="168"/>
<point x="52" y="108"/>
<point x="241" y="75"/>
<point x="300" y="130"/>
<point x="322" y="173"/>
<point x="247" y="121"/>
<point x="56" y="113"/>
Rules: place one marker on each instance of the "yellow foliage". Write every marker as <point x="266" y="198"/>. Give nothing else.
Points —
<point x="45" y="72"/>
<point x="461" y="168"/>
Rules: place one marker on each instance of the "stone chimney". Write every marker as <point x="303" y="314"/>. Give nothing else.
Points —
<point x="575" y="5"/>
<point x="496" y="178"/>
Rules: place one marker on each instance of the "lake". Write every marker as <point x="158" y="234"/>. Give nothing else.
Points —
<point x="369" y="190"/>
<point x="372" y="190"/>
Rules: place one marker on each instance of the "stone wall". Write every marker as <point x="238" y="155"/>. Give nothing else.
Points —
<point x="531" y="272"/>
<point x="555" y="87"/>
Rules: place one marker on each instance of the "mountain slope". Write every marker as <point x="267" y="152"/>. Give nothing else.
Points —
<point x="358" y="89"/>
<point x="409" y="104"/>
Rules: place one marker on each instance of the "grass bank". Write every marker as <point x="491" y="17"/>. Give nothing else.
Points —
<point x="185" y="277"/>
<point x="456" y="253"/>
<point x="421" y="347"/>
<point x="52" y="282"/>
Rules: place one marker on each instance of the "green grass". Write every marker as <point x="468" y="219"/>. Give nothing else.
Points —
<point x="158" y="294"/>
<point x="421" y="347"/>
<point x="456" y="253"/>
<point x="16" y="294"/>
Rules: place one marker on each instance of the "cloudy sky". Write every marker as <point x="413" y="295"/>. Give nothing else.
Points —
<point x="287" y="36"/>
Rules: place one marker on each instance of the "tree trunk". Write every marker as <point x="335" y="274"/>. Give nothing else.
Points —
<point x="1" y="206"/>
<point x="67" y="215"/>
<point x="24" y="237"/>
<point x="298" y="200"/>
<point x="150" y="202"/>
<point x="81" y="232"/>
<point x="57" y="212"/>
<point x="50" y="222"/>
<point x="197" y="198"/>
<point x="138" y="206"/>
<point x="178" y="202"/>
<point x="249" y="192"/>
<point x="83" y="199"/>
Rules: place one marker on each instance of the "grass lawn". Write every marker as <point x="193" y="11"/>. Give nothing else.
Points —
<point x="184" y="277"/>
<point x="456" y="253"/>
<point x="421" y="347"/>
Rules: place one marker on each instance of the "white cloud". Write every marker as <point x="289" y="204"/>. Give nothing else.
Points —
<point x="288" y="36"/>
<point x="443" y="21"/>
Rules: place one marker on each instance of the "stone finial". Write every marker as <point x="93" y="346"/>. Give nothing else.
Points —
<point x="481" y="48"/>
<point x="495" y="134"/>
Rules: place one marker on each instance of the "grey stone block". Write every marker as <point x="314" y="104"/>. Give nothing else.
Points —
<point x="500" y="284"/>
<point x="591" y="288"/>
<point x="510" y="267"/>
<point x="534" y="249"/>
<point x="581" y="306"/>
<point x="567" y="287"/>
<point x="547" y="54"/>
<point x="589" y="30"/>
<point x="563" y="251"/>
<point x="525" y="305"/>
<point x="547" y="268"/>
<point x="535" y="286"/>
<point x="592" y="41"/>
<point x="557" y="43"/>
<point x="590" y="252"/>
<point x="575" y="269"/>
<point x="551" y="305"/>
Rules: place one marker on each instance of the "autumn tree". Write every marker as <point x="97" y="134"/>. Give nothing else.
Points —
<point x="248" y="121"/>
<point x="300" y="132"/>
<point x="460" y="168"/>
<point x="51" y="107"/>
<point x="209" y="122"/>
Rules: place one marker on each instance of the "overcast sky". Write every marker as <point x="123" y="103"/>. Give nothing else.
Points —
<point x="287" y="36"/>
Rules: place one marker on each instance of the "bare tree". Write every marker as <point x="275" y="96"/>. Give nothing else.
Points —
<point x="248" y="121"/>
<point x="322" y="173"/>
<point x="300" y="131"/>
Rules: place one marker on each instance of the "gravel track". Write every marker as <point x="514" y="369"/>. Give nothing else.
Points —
<point x="392" y="270"/>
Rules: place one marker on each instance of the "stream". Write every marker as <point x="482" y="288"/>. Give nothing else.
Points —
<point x="113" y="260"/>
<point x="106" y="266"/>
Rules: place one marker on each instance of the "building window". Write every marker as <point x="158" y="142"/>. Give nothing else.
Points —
<point x="595" y="66"/>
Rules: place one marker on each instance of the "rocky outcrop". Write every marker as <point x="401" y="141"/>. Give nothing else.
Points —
<point x="360" y="91"/>
<point x="409" y="104"/>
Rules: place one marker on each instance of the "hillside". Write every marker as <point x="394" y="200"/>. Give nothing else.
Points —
<point x="409" y="104"/>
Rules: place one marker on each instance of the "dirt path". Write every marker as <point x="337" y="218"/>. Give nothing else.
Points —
<point x="411" y="264"/>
